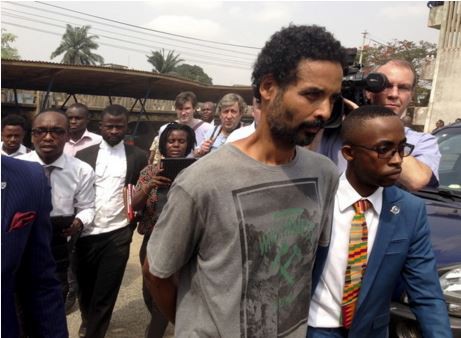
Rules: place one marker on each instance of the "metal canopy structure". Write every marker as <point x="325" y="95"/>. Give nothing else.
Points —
<point x="104" y="81"/>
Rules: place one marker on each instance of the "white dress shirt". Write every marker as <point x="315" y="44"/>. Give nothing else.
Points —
<point x="21" y="150"/>
<point x="110" y="173"/>
<point x="72" y="186"/>
<point x="325" y="308"/>
<point x="88" y="139"/>
<point x="241" y="132"/>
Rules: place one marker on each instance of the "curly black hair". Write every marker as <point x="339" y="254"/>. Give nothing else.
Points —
<point x="167" y="131"/>
<point x="287" y="47"/>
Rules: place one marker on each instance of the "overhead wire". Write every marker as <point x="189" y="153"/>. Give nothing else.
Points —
<point x="149" y="29"/>
<point x="86" y="20"/>
<point x="236" y="62"/>
<point x="119" y="47"/>
<point x="168" y="38"/>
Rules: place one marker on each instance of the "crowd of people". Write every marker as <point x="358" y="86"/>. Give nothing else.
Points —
<point x="299" y="231"/>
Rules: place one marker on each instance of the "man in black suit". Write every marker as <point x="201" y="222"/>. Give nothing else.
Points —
<point x="104" y="246"/>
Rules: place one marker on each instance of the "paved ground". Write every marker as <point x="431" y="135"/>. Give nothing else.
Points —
<point x="130" y="315"/>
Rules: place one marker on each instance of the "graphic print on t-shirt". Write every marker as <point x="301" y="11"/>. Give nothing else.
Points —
<point x="279" y="229"/>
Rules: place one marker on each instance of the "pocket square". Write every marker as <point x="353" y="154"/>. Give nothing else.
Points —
<point x="21" y="219"/>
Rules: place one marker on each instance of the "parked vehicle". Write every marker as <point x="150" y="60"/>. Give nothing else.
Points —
<point x="444" y="215"/>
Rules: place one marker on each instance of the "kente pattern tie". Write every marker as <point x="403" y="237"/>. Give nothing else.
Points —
<point x="356" y="262"/>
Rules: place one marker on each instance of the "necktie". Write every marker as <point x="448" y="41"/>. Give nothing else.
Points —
<point x="48" y="169"/>
<point x="356" y="262"/>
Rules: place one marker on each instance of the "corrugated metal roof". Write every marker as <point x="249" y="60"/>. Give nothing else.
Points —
<point x="106" y="81"/>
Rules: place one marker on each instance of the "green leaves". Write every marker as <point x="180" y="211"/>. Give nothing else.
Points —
<point x="77" y="46"/>
<point x="162" y="64"/>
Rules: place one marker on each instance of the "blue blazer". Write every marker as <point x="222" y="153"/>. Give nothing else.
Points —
<point x="402" y="248"/>
<point x="28" y="267"/>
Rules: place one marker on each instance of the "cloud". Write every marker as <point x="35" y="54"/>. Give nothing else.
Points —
<point x="186" y="25"/>
<point x="272" y="12"/>
<point x="185" y="6"/>
<point x="397" y="13"/>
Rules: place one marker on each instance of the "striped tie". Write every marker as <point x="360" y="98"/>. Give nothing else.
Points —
<point x="356" y="262"/>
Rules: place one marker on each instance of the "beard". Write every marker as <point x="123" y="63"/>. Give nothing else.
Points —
<point x="279" y="118"/>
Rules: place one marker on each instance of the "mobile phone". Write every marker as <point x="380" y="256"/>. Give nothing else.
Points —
<point x="173" y="166"/>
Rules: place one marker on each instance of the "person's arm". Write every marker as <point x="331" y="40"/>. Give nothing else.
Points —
<point x="415" y="174"/>
<point x="149" y="179"/>
<point x="422" y="166"/>
<point x="84" y="201"/>
<point x="203" y="149"/>
<point x="422" y="282"/>
<point x="163" y="290"/>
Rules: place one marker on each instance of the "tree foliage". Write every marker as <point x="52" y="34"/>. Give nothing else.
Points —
<point x="411" y="51"/>
<point x="164" y="64"/>
<point x="9" y="52"/>
<point x="416" y="53"/>
<point x="77" y="46"/>
<point x="193" y="72"/>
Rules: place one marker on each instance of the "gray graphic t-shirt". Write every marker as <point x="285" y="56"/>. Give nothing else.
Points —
<point x="242" y="236"/>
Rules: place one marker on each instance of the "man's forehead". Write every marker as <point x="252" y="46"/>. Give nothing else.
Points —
<point x="391" y="68"/>
<point x="382" y="125"/>
<point x="320" y="73"/>
<point x="50" y="117"/>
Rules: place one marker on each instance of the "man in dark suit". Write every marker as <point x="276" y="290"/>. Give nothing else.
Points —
<point x="104" y="246"/>
<point x="28" y="267"/>
<point x="380" y="233"/>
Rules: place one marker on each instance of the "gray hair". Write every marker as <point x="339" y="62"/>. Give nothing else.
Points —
<point x="229" y="100"/>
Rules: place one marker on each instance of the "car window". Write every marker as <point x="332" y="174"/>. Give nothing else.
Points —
<point x="450" y="163"/>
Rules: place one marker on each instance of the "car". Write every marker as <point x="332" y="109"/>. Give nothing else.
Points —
<point x="443" y="206"/>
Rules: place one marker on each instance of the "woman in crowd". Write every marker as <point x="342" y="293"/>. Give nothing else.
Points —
<point x="149" y="197"/>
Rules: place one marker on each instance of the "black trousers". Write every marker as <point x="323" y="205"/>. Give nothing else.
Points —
<point x="101" y="263"/>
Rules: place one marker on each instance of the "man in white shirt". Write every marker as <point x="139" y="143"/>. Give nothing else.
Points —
<point x="104" y="246"/>
<point x="230" y="109"/>
<point x="71" y="181"/>
<point x="13" y="131"/>
<point x="379" y="233"/>
<point x="245" y="131"/>
<point x="80" y="138"/>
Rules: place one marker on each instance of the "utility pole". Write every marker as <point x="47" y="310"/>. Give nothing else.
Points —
<point x="365" y="33"/>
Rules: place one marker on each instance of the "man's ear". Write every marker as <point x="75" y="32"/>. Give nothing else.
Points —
<point x="347" y="152"/>
<point x="268" y="87"/>
<point x="368" y="96"/>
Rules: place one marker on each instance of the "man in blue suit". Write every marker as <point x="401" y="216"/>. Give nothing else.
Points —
<point x="386" y="236"/>
<point x="28" y="267"/>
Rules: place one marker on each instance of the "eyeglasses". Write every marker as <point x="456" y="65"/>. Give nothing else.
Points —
<point x="387" y="151"/>
<point x="55" y="131"/>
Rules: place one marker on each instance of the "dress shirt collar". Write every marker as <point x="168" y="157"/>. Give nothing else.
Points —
<point x="107" y="147"/>
<point x="347" y="196"/>
<point x="59" y="163"/>
<point x="21" y="150"/>
<point x="86" y="135"/>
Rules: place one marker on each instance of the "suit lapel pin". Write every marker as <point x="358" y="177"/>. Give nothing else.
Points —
<point x="3" y="185"/>
<point x="395" y="209"/>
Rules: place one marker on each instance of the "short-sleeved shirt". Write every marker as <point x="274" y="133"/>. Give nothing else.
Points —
<point x="244" y="242"/>
<point x="426" y="148"/>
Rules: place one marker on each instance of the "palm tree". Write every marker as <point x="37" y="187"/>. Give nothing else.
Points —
<point x="164" y="65"/>
<point x="76" y="45"/>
